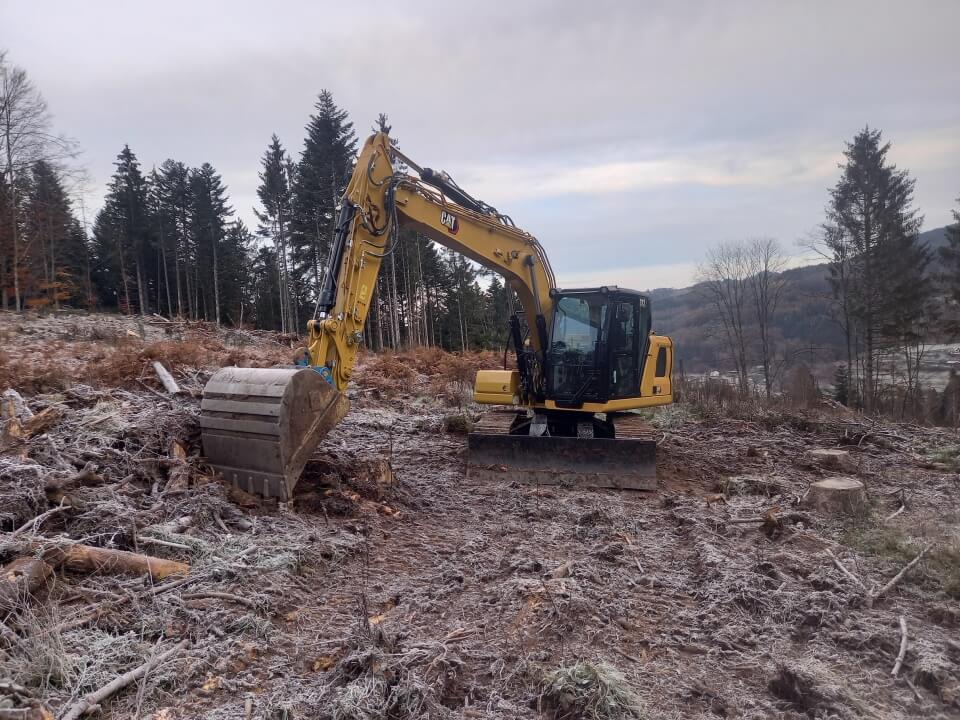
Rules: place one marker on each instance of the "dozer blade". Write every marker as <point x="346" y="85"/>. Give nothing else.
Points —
<point x="261" y="425"/>
<point x="627" y="462"/>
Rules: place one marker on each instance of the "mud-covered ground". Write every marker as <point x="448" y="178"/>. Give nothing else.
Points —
<point x="432" y="595"/>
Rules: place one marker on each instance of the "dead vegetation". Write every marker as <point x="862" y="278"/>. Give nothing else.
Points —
<point x="394" y="587"/>
<point x="589" y="691"/>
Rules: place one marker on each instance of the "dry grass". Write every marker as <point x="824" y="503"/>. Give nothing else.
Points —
<point x="103" y="356"/>
<point x="427" y="371"/>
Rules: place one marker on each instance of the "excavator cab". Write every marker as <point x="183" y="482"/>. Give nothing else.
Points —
<point x="598" y="338"/>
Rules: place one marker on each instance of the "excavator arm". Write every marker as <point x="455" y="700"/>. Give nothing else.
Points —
<point x="378" y="200"/>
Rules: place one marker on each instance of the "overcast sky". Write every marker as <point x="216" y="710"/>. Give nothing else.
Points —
<point x="628" y="136"/>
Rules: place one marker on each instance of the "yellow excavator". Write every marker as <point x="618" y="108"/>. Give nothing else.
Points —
<point x="585" y="358"/>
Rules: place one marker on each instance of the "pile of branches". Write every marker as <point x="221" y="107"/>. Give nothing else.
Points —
<point x="123" y="559"/>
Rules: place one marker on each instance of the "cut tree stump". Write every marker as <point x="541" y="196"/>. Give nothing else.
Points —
<point x="838" y="496"/>
<point x="831" y="459"/>
<point x="20" y="579"/>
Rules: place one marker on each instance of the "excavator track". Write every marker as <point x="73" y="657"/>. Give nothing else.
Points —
<point x="261" y="425"/>
<point x="627" y="461"/>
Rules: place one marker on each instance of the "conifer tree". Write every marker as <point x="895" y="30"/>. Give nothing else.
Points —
<point x="264" y="289"/>
<point x="172" y="205"/>
<point x="235" y="274"/>
<point x="872" y="230"/>
<point x="322" y="173"/>
<point x="209" y="211"/>
<point x="54" y="252"/>
<point x="121" y="234"/>
<point x="275" y="192"/>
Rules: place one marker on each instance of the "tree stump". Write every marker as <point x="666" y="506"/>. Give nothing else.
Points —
<point x="830" y="459"/>
<point x="838" y="496"/>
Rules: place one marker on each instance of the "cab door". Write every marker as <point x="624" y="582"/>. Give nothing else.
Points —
<point x="624" y="344"/>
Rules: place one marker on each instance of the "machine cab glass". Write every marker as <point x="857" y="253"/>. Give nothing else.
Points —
<point x="596" y="343"/>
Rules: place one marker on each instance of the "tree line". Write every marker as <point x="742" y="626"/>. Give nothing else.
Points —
<point x="891" y="295"/>
<point x="167" y="241"/>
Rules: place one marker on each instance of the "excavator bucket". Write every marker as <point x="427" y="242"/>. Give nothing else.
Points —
<point x="261" y="425"/>
<point x="626" y="462"/>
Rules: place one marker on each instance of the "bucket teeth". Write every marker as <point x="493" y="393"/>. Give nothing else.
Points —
<point x="261" y="425"/>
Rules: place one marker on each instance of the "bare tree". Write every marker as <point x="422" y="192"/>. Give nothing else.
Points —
<point x="766" y="283"/>
<point x="723" y="280"/>
<point x="26" y="137"/>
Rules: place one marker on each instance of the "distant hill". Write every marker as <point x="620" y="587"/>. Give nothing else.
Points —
<point x="935" y="239"/>
<point x="803" y="324"/>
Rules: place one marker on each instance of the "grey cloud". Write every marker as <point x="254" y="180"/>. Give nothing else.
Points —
<point x="519" y="85"/>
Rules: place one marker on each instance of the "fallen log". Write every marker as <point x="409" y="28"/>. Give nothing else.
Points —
<point x="169" y="384"/>
<point x="86" y="558"/>
<point x="87" y="704"/>
<point x="21" y="578"/>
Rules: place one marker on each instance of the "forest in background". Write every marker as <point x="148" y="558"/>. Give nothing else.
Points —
<point x="167" y="241"/>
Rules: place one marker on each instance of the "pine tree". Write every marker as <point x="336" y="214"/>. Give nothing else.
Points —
<point x="235" y="277"/>
<point x="209" y="210"/>
<point x="122" y="234"/>
<point x="275" y="192"/>
<point x="872" y="231"/>
<point x="264" y="290"/>
<point x="322" y="173"/>
<point x="170" y="205"/>
<point x="54" y="251"/>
